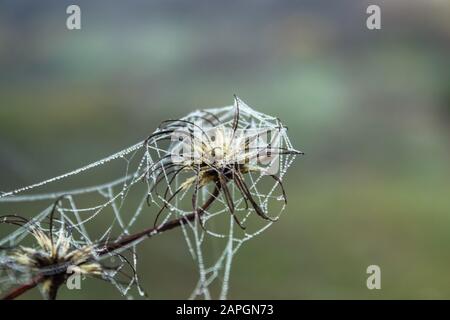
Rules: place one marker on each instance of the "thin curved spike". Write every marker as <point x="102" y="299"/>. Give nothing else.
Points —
<point x="156" y="134"/>
<point x="164" y="169"/>
<point x="282" y="149"/>
<point x="194" y="202"/>
<point x="20" y="221"/>
<point x="194" y="194"/>
<point x="52" y="217"/>
<point x="236" y="115"/>
<point x="277" y="179"/>
<point x="165" y="204"/>
<point x="170" y="183"/>
<point x="257" y="208"/>
<point x="188" y="122"/>
<point x="205" y="119"/>
<point x="229" y="200"/>
<point x="160" y="178"/>
<point x="159" y="162"/>
<point x="239" y="223"/>
<point x="227" y="193"/>
<point x="212" y="115"/>
<point x="129" y="264"/>
<point x="165" y="175"/>
<point x="241" y="192"/>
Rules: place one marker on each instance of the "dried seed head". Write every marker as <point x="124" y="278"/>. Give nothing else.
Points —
<point x="220" y="147"/>
<point x="54" y="258"/>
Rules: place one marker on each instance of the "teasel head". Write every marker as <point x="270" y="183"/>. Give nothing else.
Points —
<point x="51" y="259"/>
<point x="216" y="155"/>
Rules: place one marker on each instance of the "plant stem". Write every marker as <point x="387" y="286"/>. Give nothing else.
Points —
<point x="161" y="228"/>
<point x="108" y="248"/>
<point x="14" y="293"/>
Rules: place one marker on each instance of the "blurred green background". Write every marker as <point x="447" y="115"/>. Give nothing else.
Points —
<point x="371" y="109"/>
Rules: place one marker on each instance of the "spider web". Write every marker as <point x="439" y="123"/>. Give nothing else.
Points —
<point x="127" y="203"/>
